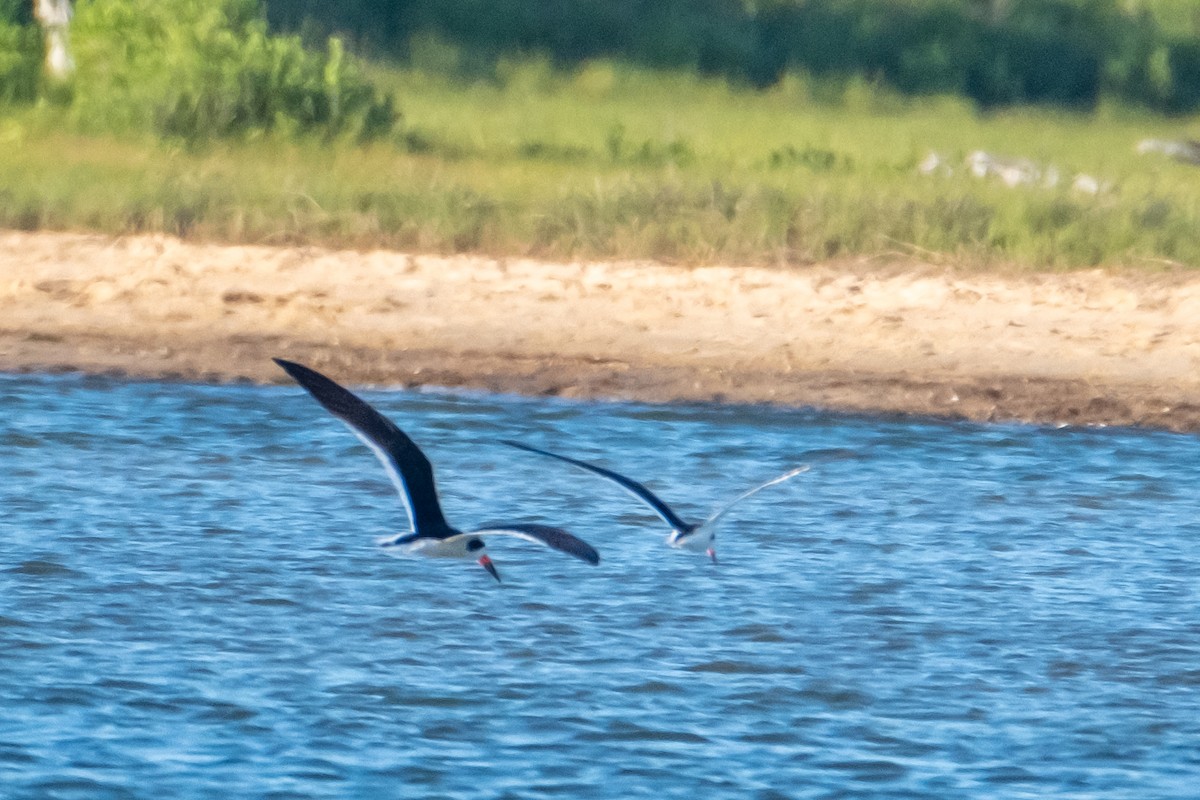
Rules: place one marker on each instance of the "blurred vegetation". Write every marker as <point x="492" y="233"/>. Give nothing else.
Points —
<point x="20" y="53"/>
<point x="613" y="161"/>
<point x="996" y="52"/>
<point x="204" y="69"/>
<point x="193" y="70"/>
<point x="533" y="129"/>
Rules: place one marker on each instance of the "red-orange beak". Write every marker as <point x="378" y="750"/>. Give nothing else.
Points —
<point x="487" y="564"/>
<point x="712" y="553"/>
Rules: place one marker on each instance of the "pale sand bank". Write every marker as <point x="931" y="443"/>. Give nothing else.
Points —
<point x="1078" y="348"/>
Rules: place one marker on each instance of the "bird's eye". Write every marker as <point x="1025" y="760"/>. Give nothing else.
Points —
<point x="474" y="544"/>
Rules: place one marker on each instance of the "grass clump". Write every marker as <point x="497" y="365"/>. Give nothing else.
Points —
<point x="195" y="71"/>
<point x="20" y="62"/>
<point x="611" y="161"/>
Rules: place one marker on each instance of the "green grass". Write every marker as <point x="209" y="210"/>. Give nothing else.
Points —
<point x="615" y="162"/>
<point x="1179" y="17"/>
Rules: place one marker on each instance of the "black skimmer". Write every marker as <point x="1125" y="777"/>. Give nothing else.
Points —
<point x="412" y="474"/>
<point x="699" y="537"/>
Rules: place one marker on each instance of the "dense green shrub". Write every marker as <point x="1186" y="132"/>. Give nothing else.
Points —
<point x="1183" y="60"/>
<point x="20" y="61"/>
<point x="20" y="52"/>
<point x="16" y="12"/>
<point x="1064" y="52"/>
<point x="363" y="22"/>
<point x="1039" y="51"/>
<point x="199" y="69"/>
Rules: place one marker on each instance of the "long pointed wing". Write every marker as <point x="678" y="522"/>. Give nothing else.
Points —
<point x="723" y="510"/>
<point x="554" y="538"/>
<point x="633" y="487"/>
<point x="406" y="465"/>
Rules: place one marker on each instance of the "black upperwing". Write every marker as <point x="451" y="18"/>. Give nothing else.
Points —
<point x="630" y="485"/>
<point x="409" y="468"/>
<point x="554" y="538"/>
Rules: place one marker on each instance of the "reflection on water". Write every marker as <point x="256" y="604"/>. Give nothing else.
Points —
<point x="191" y="603"/>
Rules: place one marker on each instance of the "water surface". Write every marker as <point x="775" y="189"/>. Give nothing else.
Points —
<point x="191" y="603"/>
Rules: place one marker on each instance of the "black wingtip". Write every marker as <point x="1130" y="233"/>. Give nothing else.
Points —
<point x="580" y="549"/>
<point x="291" y="367"/>
<point x="585" y="552"/>
<point x="327" y="391"/>
<point x="298" y="372"/>
<point x="554" y="538"/>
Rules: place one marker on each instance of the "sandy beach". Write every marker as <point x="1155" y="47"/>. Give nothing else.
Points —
<point x="881" y="337"/>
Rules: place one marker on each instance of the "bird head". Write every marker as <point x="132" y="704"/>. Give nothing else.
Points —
<point x="476" y="548"/>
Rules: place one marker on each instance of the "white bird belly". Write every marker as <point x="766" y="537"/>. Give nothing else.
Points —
<point x="427" y="548"/>
<point x="697" y="541"/>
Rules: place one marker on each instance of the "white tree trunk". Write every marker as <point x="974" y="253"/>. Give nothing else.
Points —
<point x="55" y="17"/>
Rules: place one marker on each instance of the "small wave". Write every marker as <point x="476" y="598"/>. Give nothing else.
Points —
<point x="272" y="601"/>
<point x="69" y="696"/>
<point x="533" y="606"/>
<point x="153" y="705"/>
<point x="1008" y="774"/>
<point x="869" y="770"/>
<point x="15" y="753"/>
<point x="757" y="632"/>
<point x="1189" y="677"/>
<point x="433" y="701"/>
<point x="653" y="687"/>
<point x="744" y="668"/>
<point x="219" y="711"/>
<point x="14" y="439"/>
<point x="835" y="696"/>
<point x="868" y="591"/>
<point x="80" y="787"/>
<point x="627" y="732"/>
<point x="127" y="685"/>
<point x="563" y="789"/>
<point x="42" y="568"/>
<point x="326" y="776"/>
<point x="396" y="633"/>
<point x="772" y="737"/>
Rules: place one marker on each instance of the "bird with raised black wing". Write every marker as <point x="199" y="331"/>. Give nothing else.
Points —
<point x="412" y="475"/>
<point x="699" y="537"/>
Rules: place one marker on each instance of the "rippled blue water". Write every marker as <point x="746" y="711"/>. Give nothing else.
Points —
<point x="191" y="603"/>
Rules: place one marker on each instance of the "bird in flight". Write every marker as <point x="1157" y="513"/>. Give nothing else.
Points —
<point x="698" y="537"/>
<point x="412" y="475"/>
